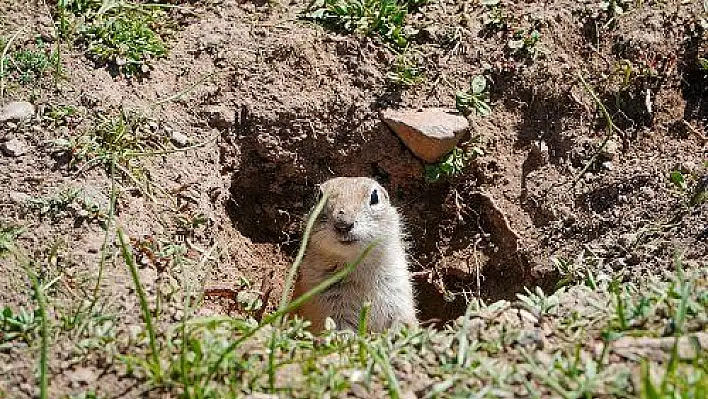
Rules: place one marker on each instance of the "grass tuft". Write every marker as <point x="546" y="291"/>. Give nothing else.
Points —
<point x="121" y="34"/>
<point x="383" y="18"/>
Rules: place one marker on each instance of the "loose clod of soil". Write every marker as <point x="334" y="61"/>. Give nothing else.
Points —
<point x="558" y="231"/>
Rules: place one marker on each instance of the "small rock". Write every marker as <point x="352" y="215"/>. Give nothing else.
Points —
<point x="179" y="139"/>
<point x="220" y="116"/>
<point x="27" y="388"/>
<point x="610" y="150"/>
<point x="13" y="148"/>
<point x="430" y="133"/>
<point x="648" y="192"/>
<point x="607" y="165"/>
<point x="16" y="111"/>
<point x="82" y="375"/>
<point x="211" y="41"/>
<point x="18" y="197"/>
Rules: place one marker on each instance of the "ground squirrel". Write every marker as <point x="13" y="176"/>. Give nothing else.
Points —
<point x="357" y="213"/>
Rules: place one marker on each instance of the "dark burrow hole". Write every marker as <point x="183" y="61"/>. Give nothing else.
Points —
<point x="449" y="223"/>
<point x="432" y="225"/>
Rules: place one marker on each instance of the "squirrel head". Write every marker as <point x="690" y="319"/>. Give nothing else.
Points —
<point x="357" y="213"/>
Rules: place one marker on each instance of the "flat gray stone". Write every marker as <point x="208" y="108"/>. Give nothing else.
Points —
<point x="13" y="148"/>
<point x="16" y="111"/>
<point x="180" y="139"/>
<point x="428" y="133"/>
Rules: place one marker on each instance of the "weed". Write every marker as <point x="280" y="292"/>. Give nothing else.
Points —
<point x="116" y="141"/>
<point x="524" y="43"/>
<point x="476" y="98"/>
<point x="678" y="179"/>
<point x="405" y="72"/>
<point x="703" y="64"/>
<point x="28" y="65"/>
<point x="385" y="18"/>
<point x="21" y="325"/>
<point x="496" y="19"/>
<point x="54" y="206"/>
<point x="694" y="187"/>
<point x="572" y="273"/>
<point x="454" y="163"/>
<point x="119" y="33"/>
<point x="60" y="115"/>
<point x="538" y="303"/>
<point x="8" y="234"/>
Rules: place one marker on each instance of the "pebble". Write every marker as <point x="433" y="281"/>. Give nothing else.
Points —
<point x="13" y="148"/>
<point x="428" y="133"/>
<point x="220" y="116"/>
<point x="16" y="111"/>
<point x="82" y="375"/>
<point x="18" y="197"/>
<point x="610" y="150"/>
<point x="180" y="139"/>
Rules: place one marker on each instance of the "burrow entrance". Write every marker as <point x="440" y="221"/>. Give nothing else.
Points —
<point x="458" y="237"/>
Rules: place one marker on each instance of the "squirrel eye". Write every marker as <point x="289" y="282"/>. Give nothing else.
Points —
<point x="374" y="197"/>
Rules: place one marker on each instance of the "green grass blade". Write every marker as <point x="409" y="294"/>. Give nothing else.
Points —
<point x="147" y="317"/>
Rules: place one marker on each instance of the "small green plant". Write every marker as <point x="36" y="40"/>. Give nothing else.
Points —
<point x="118" y="33"/>
<point x="679" y="180"/>
<point x="21" y="325"/>
<point x="55" y="205"/>
<point x="385" y="18"/>
<point x="524" y="43"/>
<point x="703" y="64"/>
<point x="116" y="141"/>
<point x="28" y="65"/>
<point x="405" y="72"/>
<point x="8" y="234"/>
<point x="496" y="18"/>
<point x="696" y="188"/>
<point x="454" y="163"/>
<point x="538" y="303"/>
<point x="125" y="40"/>
<point x="572" y="273"/>
<point x="475" y="98"/>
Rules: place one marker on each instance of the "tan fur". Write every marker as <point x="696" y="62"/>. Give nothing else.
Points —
<point x="382" y="278"/>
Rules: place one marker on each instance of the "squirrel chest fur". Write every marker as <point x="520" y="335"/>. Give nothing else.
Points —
<point x="357" y="214"/>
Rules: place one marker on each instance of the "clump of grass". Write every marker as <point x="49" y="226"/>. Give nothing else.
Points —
<point x="406" y="72"/>
<point x="496" y="18"/>
<point x="116" y="141"/>
<point x="22" y="325"/>
<point x="28" y="65"/>
<point x="454" y="163"/>
<point x="119" y="33"/>
<point x="384" y="18"/>
<point x="524" y="43"/>
<point x="475" y="98"/>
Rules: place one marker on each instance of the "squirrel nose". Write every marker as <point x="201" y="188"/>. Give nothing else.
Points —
<point x="343" y="226"/>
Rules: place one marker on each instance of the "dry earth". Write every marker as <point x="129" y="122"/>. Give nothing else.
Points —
<point x="275" y="105"/>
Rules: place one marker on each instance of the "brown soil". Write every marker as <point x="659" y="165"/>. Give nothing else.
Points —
<point x="290" y="104"/>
